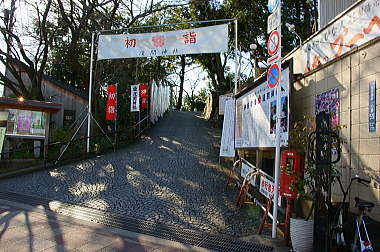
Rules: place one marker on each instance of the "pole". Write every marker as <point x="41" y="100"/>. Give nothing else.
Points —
<point x="278" y="146"/>
<point x="90" y="93"/>
<point x="115" y="135"/>
<point x="236" y="57"/>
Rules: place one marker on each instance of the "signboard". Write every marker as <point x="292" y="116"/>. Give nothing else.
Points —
<point x="111" y="103"/>
<point x="274" y="20"/>
<point x="266" y="187"/>
<point x="26" y="123"/>
<point x="135" y="98"/>
<point x="244" y="171"/>
<point x="356" y="27"/>
<point x="273" y="75"/>
<point x="372" y="107"/>
<point x="273" y="42"/>
<point x="211" y="39"/>
<point x="222" y="102"/>
<point x="256" y="115"/>
<point x="3" y="127"/>
<point x="227" y="145"/>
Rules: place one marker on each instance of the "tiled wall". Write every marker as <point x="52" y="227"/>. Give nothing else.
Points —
<point x="361" y="150"/>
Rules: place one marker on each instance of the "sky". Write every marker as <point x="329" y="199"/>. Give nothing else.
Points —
<point x="197" y="75"/>
<point x="22" y="22"/>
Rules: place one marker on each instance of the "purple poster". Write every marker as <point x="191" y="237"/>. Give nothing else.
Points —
<point x="329" y="102"/>
<point x="24" y="121"/>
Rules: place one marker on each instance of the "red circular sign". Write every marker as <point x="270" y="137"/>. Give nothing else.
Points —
<point x="273" y="42"/>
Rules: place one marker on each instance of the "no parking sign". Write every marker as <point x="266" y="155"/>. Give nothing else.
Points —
<point x="273" y="75"/>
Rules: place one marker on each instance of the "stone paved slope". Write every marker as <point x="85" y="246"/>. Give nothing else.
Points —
<point x="171" y="176"/>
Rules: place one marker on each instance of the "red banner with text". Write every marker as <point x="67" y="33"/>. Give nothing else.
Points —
<point x="144" y="95"/>
<point x="111" y="103"/>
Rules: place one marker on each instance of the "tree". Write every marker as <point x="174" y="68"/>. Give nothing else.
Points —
<point x="18" y="55"/>
<point x="182" y="80"/>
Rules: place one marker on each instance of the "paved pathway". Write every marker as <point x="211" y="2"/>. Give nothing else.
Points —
<point x="26" y="228"/>
<point x="171" y="176"/>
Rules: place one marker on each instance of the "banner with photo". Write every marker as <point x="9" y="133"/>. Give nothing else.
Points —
<point x="3" y="127"/>
<point x="211" y="39"/>
<point x="256" y="115"/>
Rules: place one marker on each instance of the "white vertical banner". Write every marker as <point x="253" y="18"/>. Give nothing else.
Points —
<point x="227" y="145"/>
<point x="135" y="98"/>
<point x="152" y="98"/>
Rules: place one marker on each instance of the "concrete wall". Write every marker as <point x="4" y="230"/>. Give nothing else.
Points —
<point x="361" y="150"/>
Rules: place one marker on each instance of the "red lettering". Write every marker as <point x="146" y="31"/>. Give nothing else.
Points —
<point x="190" y="38"/>
<point x="130" y="42"/>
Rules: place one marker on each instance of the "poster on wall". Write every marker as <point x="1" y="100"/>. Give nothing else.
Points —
<point x="3" y="127"/>
<point x="24" y="121"/>
<point x="227" y="148"/>
<point x="12" y="120"/>
<point x="329" y="102"/>
<point x="256" y="115"/>
<point x="37" y="126"/>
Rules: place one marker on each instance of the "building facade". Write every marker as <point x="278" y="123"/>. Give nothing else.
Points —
<point x="341" y="62"/>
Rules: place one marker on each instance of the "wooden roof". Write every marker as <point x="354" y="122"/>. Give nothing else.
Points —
<point x="12" y="103"/>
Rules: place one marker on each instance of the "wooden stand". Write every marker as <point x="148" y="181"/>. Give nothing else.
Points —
<point x="231" y="174"/>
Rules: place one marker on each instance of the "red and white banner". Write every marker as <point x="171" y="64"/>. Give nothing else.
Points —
<point x="135" y="98"/>
<point x="143" y="96"/>
<point x="111" y="103"/>
<point x="358" y="26"/>
<point x="209" y="39"/>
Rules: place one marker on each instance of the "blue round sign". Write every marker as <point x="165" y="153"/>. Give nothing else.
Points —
<point x="273" y="75"/>
<point x="272" y="5"/>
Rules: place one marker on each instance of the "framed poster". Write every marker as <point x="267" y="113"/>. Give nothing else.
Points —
<point x="329" y="102"/>
<point x="256" y="115"/>
<point x="24" y="121"/>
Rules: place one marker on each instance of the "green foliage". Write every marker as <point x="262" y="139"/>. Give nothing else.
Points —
<point x="196" y="102"/>
<point x="59" y="138"/>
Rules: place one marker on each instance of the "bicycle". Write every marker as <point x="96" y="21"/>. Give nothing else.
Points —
<point x="340" y="216"/>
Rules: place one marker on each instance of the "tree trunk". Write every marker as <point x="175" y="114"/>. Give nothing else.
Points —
<point x="182" y="80"/>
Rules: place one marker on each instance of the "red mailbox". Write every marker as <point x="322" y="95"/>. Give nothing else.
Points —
<point x="292" y="166"/>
